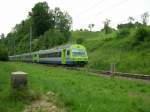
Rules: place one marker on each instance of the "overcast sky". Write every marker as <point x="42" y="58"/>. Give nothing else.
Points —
<point x="83" y="12"/>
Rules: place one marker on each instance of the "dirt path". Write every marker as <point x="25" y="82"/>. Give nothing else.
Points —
<point x="45" y="104"/>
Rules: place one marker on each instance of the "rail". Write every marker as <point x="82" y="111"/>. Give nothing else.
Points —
<point x="110" y="73"/>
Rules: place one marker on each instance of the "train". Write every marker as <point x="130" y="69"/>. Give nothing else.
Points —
<point x="71" y="54"/>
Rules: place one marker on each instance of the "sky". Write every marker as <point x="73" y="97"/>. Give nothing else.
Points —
<point x="83" y="12"/>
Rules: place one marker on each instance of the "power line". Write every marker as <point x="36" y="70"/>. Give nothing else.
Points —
<point x="126" y="19"/>
<point x="30" y="38"/>
<point x="112" y="6"/>
<point x="94" y="16"/>
<point x="92" y="7"/>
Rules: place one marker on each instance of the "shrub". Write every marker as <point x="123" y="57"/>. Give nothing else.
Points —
<point x="25" y="94"/>
<point x="3" y="55"/>
<point x="141" y="35"/>
<point x="123" y="33"/>
<point x="79" y="41"/>
<point x="50" y="39"/>
<point x="107" y="39"/>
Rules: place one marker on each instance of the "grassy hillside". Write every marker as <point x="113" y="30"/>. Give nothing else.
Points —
<point x="79" y="91"/>
<point x="120" y="47"/>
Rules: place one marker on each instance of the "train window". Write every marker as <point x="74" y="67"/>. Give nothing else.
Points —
<point x="50" y="55"/>
<point x="79" y="52"/>
<point x="59" y="54"/>
<point x="54" y="54"/>
<point x="43" y="55"/>
<point x="68" y="52"/>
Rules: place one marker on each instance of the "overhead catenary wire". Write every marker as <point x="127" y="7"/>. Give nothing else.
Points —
<point x="113" y="6"/>
<point x="93" y="17"/>
<point x="107" y="9"/>
<point x="136" y="18"/>
<point x="97" y="4"/>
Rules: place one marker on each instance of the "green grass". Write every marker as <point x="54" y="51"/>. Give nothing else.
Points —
<point x="104" y="49"/>
<point x="90" y="36"/>
<point x="79" y="91"/>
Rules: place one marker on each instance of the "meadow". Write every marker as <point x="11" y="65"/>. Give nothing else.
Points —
<point x="76" y="90"/>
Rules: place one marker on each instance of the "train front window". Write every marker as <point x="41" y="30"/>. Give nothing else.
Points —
<point x="78" y="52"/>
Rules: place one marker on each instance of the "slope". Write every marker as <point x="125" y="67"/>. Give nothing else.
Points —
<point x="117" y="47"/>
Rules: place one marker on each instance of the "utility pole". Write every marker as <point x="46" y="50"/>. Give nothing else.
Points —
<point x="14" y="47"/>
<point x="30" y="38"/>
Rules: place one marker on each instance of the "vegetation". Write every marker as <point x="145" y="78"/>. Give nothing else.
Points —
<point x="107" y="29"/>
<point x="142" y="36"/>
<point x="91" y="26"/>
<point x="45" y="28"/>
<point x="123" y="33"/>
<point x="145" y="18"/>
<point x="3" y="50"/>
<point x="3" y="55"/>
<point x="127" y="47"/>
<point x="79" y="91"/>
<point x="42" y="18"/>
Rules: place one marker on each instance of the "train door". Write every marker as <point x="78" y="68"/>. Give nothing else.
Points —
<point x="63" y="56"/>
<point x="37" y="58"/>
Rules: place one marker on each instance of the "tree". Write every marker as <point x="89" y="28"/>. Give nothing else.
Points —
<point x="3" y="54"/>
<point x="130" y="24"/>
<point x="50" y="27"/>
<point x="3" y="49"/>
<point x="91" y="26"/>
<point x="138" y="24"/>
<point x="131" y="19"/>
<point x="145" y="17"/>
<point x="42" y="18"/>
<point x="106" y="28"/>
<point x="63" y="22"/>
<point x="2" y="37"/>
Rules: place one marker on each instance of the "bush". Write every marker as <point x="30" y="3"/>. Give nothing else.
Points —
<point x="3" y="55"/>
<point x="79" y="41"/>
<point x="25" y="94"/>
<point x="123" y="33"/>
<point x="141" y="35"/>
<point x="51" y="38"/>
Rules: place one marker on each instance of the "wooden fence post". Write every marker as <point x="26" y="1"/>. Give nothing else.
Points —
<point x="112" y="68"/>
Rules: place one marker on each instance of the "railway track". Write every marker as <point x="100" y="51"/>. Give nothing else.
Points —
<point x="106" y="73"/>
<point x="112" y="74"/>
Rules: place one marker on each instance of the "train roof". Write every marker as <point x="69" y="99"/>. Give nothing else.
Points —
<point x="57" y="48"/>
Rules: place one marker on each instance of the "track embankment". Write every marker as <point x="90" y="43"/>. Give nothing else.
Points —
<point x="112" y="74"/>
